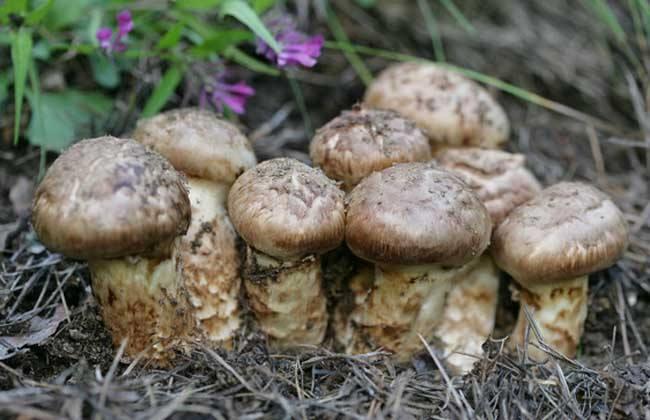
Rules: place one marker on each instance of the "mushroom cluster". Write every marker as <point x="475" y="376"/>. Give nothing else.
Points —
<point x="411" y="182"/>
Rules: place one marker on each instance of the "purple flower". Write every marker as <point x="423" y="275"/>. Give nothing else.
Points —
<point x="220" y="93"/>
<point x="105" y="35"/>
<point x="297" y="48"/>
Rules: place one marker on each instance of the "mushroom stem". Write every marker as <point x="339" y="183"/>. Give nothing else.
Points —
<point x="207" y="261"/>
<point x="559" y="311"/>
<point x="287" y="298"/>
<point x="396" y="305"/>
<point x="140" y="299"/>
<point x="468" y="318"/>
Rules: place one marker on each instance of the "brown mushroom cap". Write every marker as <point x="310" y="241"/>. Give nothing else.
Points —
<point x="451" y="109"/>
<point x="499" y="178"/>
<point x="361" y="141"/>
<point x="286" y="209"/>
<point x="413" y="213"/>
<point x="108" y="197"/>
<point x="568" y="230"/>
<point x="198" y="143"/>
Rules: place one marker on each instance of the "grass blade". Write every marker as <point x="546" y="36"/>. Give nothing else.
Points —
<point x="350" y="54"/>
<point x="459" y="16"/>
<point x="21" y="52"/>
<point x="488" y="80"/>
<point x="432" y="27"/>
<point x="163" y="91"/>
<point x="605" y="13"/>
<point x="241" y="11"/>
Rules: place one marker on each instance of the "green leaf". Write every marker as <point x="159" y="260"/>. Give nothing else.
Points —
<point x="21" y="53"/>
<point x="105" y="72"/>
<point x="197" y="4"/>
<point x="163" y="91"/>
<point x="261" y="6"/>
<point x="4" y="87"/>
<point x="64" y="13"/>
<point x="172" y="37"/>
<point x="241" y="11"/>
<point x="62" y="118"/>
<point x="220" y="41"/>
<point x="37" y="15"/>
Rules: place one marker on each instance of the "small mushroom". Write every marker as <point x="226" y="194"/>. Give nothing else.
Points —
<point x="501" y="182"/>
<point x="452" y="110"/>
<point x="212" y="152"/>
<point x="362" y="141"/>
<point x="550" y="245"/>
<point x="288" y="214"/>
<point x="121" y="206"/>
<point x="422" y="228"/>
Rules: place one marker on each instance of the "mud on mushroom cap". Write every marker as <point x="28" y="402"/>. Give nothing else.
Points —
<point x="286" y="209"/>
<point x="361" y="141"/>
<point x="198" y="143"/>
<point x="451" y="109"/>
<point x="568" y="230"/>
<point x="499" y="178"/>
<point x="413" y="213"/>
<point x="109" y="197"/>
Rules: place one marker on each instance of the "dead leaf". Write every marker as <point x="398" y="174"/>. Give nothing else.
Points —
<point x="40" y="329"/>
<point x="21" y="195"/>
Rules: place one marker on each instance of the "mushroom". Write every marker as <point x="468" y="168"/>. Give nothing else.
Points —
<point x="288" y="214"/>
<point x="549" y="246"/>
<point x="452" y="110"/>
<point x="121" y="206"/>
<point x="422" y="228"/>
<point x="212" y="152"/>
<point x="501" y="182"/>
<point x="361" y="141"/>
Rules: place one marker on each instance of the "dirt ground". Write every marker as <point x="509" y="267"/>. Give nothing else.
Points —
<point x="66" y="365"/>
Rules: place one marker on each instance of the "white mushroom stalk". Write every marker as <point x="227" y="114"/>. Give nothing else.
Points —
<point x="121" y="206"/>
<point x="502" y="183"/>
<point x="422" y="228"/>
<point x="289" y="214"/>
<point x="549" y="246"/>
<point x="212" y="152"/>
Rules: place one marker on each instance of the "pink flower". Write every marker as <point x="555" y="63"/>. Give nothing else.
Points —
<point x="220" y="93"/>
<point x="105" y="35"/>
<point x="297" y="48"/>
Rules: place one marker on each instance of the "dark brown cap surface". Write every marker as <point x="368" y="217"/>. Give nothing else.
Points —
<point x="413" y="213"/>
<point x="110" y="197"/>
<point x="569" y="230"/>
<point x="362" y="141"/>
<point x="286" y="209"/>
<point x="499" y="178"/>
<point x="198" y="143"/>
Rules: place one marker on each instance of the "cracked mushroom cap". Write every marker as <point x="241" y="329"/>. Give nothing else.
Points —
<point x="414" y="213"/>
<point x="198" y="143"/>
<point x="287" y="209"/>
<point x="451" y="109"/>
<point x="108" y="197"/>
<point x="500" y="179"/>
<point x="362" y="141"/>
<point x="568" y="230"/>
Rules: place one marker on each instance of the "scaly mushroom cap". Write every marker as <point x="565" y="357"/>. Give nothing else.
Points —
<point x="413" y="213"/>
<point x="198" y="143"/>
<point x="286" y="209"/>
<point x="108" y="197"/>
<point x="569" y="230"/>
<point x="451" y="109"/>
<point x="499" y="178"/>
<point x="362" y="141"/>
